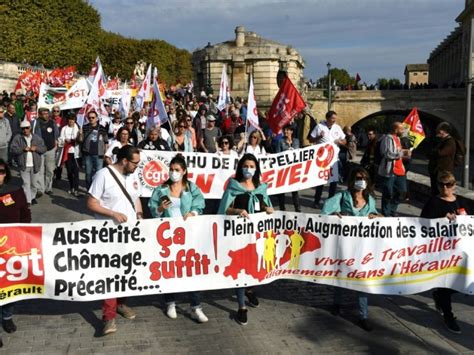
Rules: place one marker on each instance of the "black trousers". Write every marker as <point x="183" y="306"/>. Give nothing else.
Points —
<point x="296" y="201"/>
<point x="72" y="172"/>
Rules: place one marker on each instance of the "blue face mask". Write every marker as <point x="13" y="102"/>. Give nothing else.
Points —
<point x="248" y="172"/>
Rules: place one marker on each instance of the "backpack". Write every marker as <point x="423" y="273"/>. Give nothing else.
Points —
<point x="460" y="153"/>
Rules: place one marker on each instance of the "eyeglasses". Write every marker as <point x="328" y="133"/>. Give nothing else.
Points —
<point x="3" y="171"/>
<point x="129" y="122"/>
<point x="92" y="117"/>
<point x="253" y="137"/>
<point x="225" y="142"/>
<point x="22" y="128"/>
<point x="181" y="127"/>
<point x="56" y="111"/>
<point x="134" y="162"/>
<point x="447" y="184"/>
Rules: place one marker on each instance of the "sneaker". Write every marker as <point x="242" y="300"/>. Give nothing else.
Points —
<point x="252" y="298"/>
<point x="198" y="315"/>
<point x="436" y="302"/>
<point x="364" y="324"/>
<point x="171" y="311"/>
<point x="39" y="194"/>
<point x="49" y="192"/>
<point x="452" y="325"/>
<point x="76" y="193"/>
<point x="109" y="327"/>
<point x="126" y="311"/>
<point x="70" y="192"/>
<point x="336" y="310"/>
<point x="242" y="316"/>
<point x="9" y="326"/>
<point x="34" y="202"/>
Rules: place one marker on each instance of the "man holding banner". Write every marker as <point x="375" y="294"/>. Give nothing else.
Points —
<point x="114" y="193"/>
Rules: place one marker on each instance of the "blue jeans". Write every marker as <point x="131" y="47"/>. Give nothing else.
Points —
<point x="363" y="302"/>
<point x="7" y="311"/>
<point x="394" y="189"/>
<point x="93" y="164"/>
<point x="193" y="297"/>
<point x="240" y="293"/>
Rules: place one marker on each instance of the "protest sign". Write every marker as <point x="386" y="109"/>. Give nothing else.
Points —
<point x="92" y="260"/>
<point x="287" y="171"/>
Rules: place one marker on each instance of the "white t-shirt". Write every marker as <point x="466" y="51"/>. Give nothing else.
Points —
<point x="71" y="134"/>
<point x="105" y="189"/>
<point x="232" y="153"/>
<point x="175" y="208"/>
<point x="330" y="134"/>
<point x="29" y="155"/>
<point x="258" y="150"/>
<point x="109" y="153"/>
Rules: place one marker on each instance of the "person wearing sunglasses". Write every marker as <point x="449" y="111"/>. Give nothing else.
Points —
<point x="114" y="194"/>
<point x="94" y="139"/>
<point x="182" y="140"/>
<point x="445" y="205"/>
<point x="357" y="200"/>
<point x="226" y="145"/>
<point x="27" y="150"/>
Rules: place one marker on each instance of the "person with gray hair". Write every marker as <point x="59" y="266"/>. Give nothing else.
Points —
<point x="26" y="148"/>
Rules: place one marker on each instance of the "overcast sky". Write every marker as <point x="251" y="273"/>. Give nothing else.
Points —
<point x="374" y="38"/>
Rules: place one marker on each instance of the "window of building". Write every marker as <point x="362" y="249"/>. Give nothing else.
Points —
<point x="425" y="73"/>
<point x="415" y="74"/>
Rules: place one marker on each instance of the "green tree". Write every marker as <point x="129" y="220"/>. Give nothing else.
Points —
<point x="341" y="76"/>
<point x="387" y="84"/>
<point x="68" y="32"/>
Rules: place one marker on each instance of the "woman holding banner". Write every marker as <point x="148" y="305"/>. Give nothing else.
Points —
<point x="445" y="205"/>
<point x="178" y="197"/>
<point x="245" y="195"/>
<point x="13" y="209"/>
<point x="357" y="200"/>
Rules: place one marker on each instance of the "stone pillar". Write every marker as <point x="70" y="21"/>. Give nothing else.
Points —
<point x="240" y="36"/>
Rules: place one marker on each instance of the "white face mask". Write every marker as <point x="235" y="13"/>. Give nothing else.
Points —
<point x="360" y="185"/>
<point x="175" y="176"/>
<point x="248" y="172"/>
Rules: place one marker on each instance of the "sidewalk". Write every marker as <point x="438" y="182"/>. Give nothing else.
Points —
<point x="293" y="317"/>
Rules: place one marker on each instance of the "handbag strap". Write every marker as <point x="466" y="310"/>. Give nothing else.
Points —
<point x="122" y="188"/>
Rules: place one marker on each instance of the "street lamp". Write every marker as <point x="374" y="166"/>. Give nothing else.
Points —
<point x="329" y="86"/>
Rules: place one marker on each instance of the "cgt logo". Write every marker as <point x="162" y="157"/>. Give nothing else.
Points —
<point x="324" y="156"/>
<point x="154" y="173"/>
<point x="21" y="259"/>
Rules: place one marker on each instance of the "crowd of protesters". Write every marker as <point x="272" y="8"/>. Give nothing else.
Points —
<point x="39" y="145"/>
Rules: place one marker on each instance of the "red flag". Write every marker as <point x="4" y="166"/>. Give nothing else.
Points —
<point x="286" y="105"/>
<point x="357" y="77"/>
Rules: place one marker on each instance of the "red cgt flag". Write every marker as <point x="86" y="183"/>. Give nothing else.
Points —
<point x="286" y="105"/>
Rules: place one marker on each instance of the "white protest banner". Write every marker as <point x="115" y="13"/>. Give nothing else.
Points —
<point x="98" y="259"/>
<point x="287" y="171"/>
<point x="70" y="99"/>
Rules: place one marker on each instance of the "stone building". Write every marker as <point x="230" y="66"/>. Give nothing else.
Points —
<point x="416" y="74"/>
<point x="247" y="54"/>
<point x="449" y="61"/>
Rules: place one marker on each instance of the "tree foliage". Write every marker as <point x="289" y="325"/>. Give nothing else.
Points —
<point x="68" y="32"/>
<point x="341" y="76"/>
<point x="386" y="84"/>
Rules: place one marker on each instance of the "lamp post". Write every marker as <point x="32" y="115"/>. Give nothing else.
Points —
<point x="467" y="137"/>
<point x="329" y="86"/>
